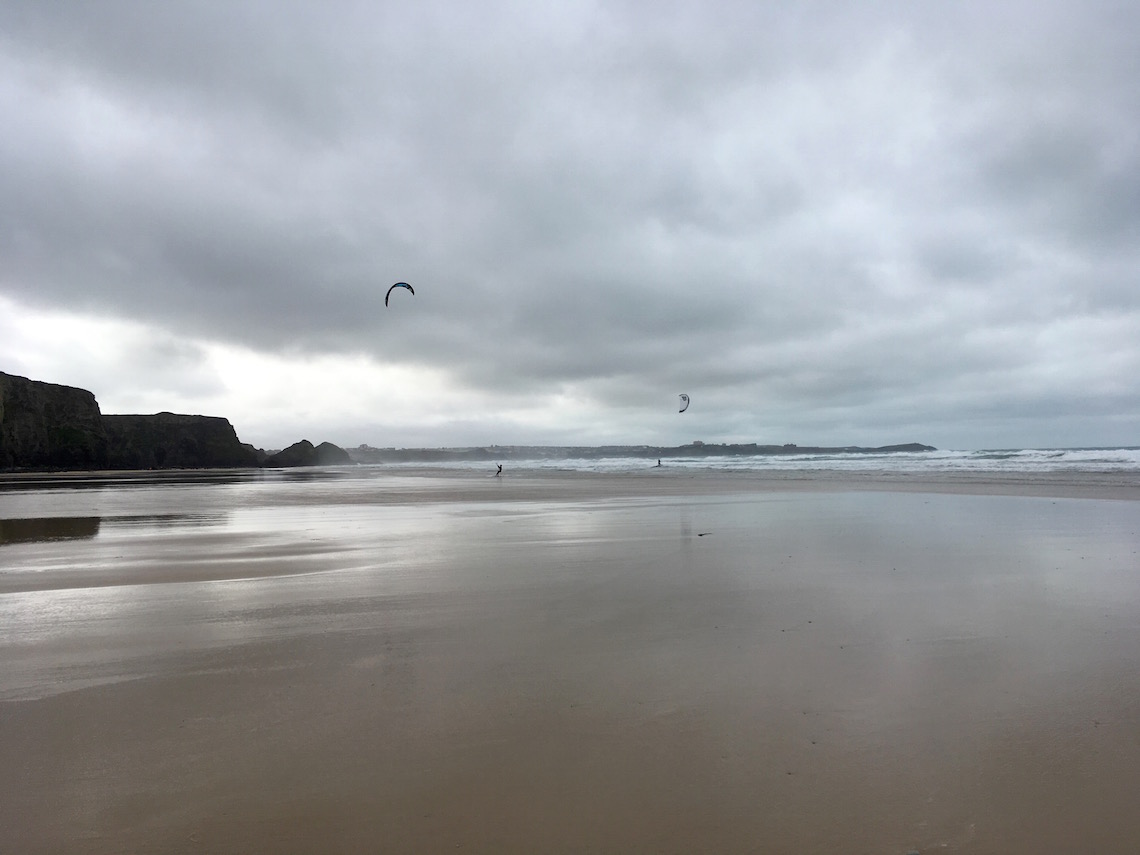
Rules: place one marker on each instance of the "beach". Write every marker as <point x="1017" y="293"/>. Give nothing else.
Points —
<point x="423" y="661"/>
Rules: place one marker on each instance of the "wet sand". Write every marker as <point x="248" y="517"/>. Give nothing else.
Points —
<point x="419" y="663"/>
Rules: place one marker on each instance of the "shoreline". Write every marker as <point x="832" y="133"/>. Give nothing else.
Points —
<point x="439" y="484"/>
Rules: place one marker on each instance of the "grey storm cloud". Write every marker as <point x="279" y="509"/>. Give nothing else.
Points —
<point x="826" y="206"/>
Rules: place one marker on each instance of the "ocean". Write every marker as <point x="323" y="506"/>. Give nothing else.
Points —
<point x="1027" y="461"/>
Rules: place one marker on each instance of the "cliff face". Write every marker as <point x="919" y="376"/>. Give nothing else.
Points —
<point x="171" y="441"/>
<point x="45" y="426"/>
<point x="304" y="453"/>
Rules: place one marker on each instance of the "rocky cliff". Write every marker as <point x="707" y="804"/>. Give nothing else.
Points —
<point x="45" y="426"/>
<point x="304" y="453"/>
<point x="172" y="441"/>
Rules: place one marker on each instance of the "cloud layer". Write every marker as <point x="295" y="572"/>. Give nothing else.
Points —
<point x="827" y="223"/>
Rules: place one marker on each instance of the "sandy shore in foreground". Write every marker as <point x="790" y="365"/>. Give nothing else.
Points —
<point x="573" y="664"/>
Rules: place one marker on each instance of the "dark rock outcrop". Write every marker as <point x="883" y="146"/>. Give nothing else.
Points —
<point x="298" y="454"/>
<point x="259" y="454"/>
<point x="172" y="441"/>
<point x="304" y="453"/>
<point x="45" y="426"/>
<point x="332" y="455"/>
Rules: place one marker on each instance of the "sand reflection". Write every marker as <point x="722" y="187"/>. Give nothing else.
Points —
<point x="316" y="665"/>
<point x="48" y="528"/>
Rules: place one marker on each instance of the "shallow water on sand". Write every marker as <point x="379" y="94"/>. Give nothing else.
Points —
<point x="293" y="664"/>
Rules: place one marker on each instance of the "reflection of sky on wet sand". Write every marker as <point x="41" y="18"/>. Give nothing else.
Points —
<point x="880" y="590"/>
<point x="804" y="668"/>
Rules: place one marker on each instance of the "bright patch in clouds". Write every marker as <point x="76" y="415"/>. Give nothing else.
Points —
<point x="272" y="400"/>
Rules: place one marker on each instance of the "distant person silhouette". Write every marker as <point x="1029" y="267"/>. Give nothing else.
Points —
<point x="500" y="472"/>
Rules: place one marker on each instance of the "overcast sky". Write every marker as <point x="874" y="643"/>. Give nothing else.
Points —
<point x="827" y="222"/>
